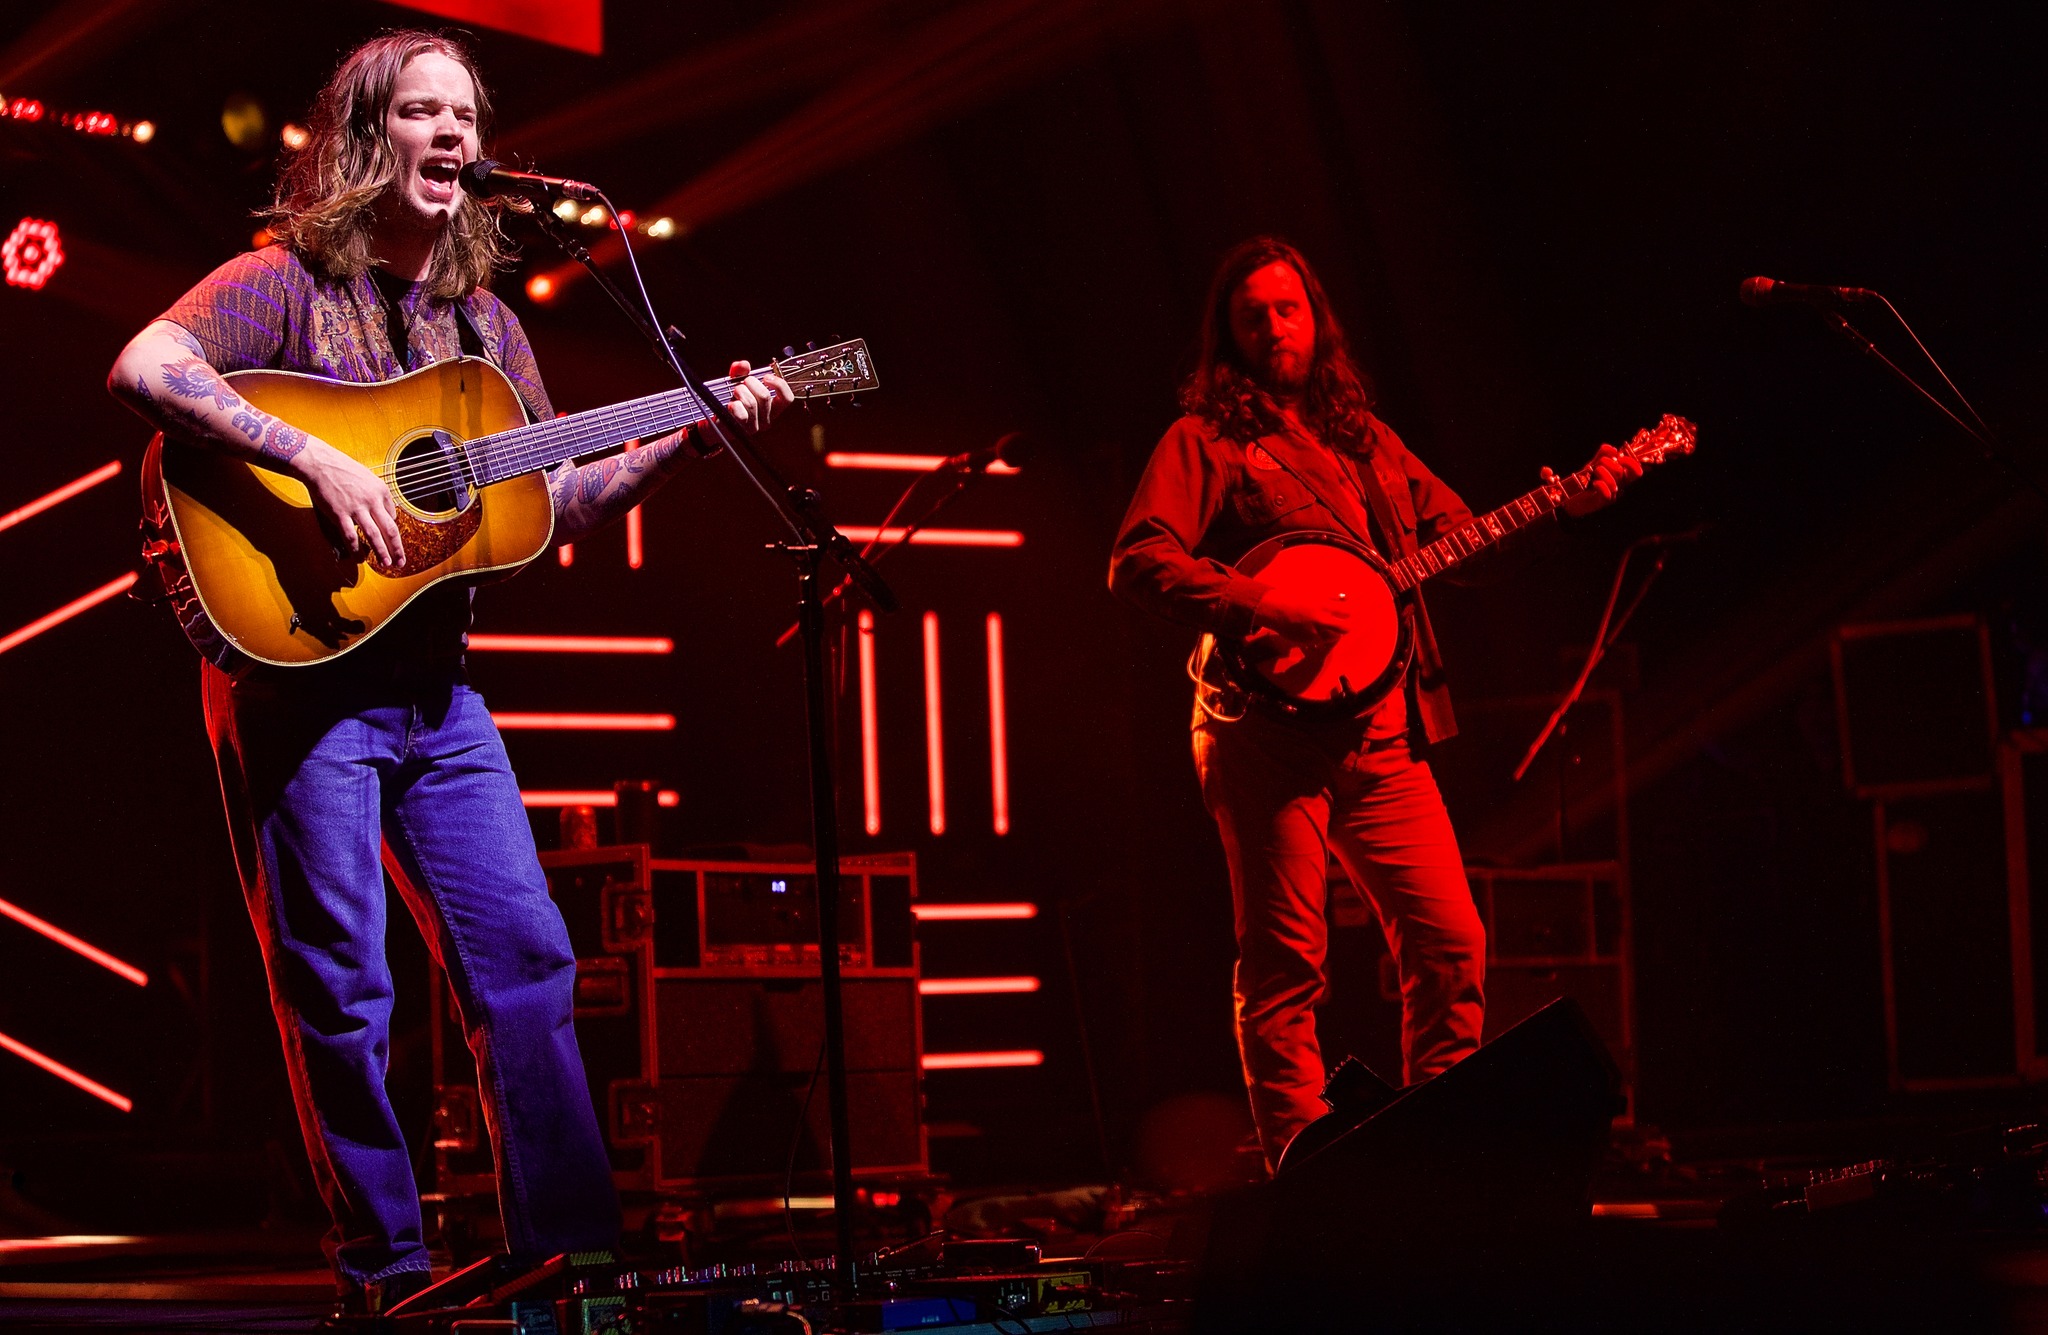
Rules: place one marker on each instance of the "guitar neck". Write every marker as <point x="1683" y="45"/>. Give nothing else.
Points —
<point x="527" y="449"/>
<point x="1468" y="540"/>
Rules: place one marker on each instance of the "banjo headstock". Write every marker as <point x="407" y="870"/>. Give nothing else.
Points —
<point x="1654" y="444"/>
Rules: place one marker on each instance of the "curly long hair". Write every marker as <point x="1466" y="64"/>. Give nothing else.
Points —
<point x="1337" y="400"/>
<point x="328" y="192"/>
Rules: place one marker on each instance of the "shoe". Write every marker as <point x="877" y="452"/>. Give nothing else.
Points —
<point x="362" y="1306"/>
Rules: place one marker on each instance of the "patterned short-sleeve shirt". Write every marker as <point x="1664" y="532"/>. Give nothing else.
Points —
<point x="268" y="309"/>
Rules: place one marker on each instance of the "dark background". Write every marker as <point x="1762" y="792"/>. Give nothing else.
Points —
<point x="1534" y="224"/>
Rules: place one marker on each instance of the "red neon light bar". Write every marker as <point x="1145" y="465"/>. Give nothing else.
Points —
<point x="112" y="588"/>
<point x="72" y="943"/>
<point x="967" y="987"/>
<point x="968" y="1061"/>
<point x="934" y="739"/>
<point x="566" y="553"/>
<point x="972" y="912"/>
<point x="586" y="797"/>
<point x="63" y="1072"/>
<point x="587" y="722"/>
<point x="574" y="644"/>
<point x="901" y="463"/>
<point x="635" y="548"/>
<point x="60" y="495"/>
<point x="937" y="537"/>
<point x="870" y="744"/>
<point x="998" y="728"/>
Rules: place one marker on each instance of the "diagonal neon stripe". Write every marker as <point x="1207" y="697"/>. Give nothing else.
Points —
<point x="60" y="495"/>
<point x="69" y="610"/>
<point x="70" y="942"/>
<point x="63" y="1072"/>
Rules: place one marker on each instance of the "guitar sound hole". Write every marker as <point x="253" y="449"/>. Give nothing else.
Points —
<point x="429" y="478"/>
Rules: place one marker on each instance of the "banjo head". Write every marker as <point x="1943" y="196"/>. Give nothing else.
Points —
<point x="1350" y="675"/>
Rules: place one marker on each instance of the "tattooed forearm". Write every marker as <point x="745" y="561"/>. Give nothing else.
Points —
<point x="249" y="423"/>
<point x="283" y="441"/>
<point x="589" y="496"/>
<point x="142" y="389"/>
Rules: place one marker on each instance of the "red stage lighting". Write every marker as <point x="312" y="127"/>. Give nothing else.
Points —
<point x="870" y="742"/>
<point x="31" y="253"/>
<point x="970" y="987"/>
<point x="900" y="463"/>
<point x="574" y="644"/>
<point x="973" y="912"/>
<point x="69" y="610"/>
<point x="998" y="728"/>
<point x="60" y="495"/>
<point x="63" y="1072"/>
<point x="587" y="722"/>
<point x="934" y="735"/>
<point x="586" y="797"/>
<point x="937" y="537"/>
<point x="25" y="109"/>
<point x="968" y="1061"/>
<point x="540" y="288"/>
<point x="112" y="963"/>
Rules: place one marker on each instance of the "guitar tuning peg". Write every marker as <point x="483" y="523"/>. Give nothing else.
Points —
<point x="788" y="351"/>
<point x="811" y="346"/>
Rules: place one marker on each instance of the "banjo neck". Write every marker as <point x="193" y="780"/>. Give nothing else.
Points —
<point x="1671" y="435"/>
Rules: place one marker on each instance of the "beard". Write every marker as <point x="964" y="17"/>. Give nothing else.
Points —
<point x="1284" y="373"/>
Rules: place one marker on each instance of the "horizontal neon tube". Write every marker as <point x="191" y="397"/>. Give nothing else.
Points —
<point x="112" y="588"/>
<point x="586" y="797"/>
<point x="60" y="495"/>
<point x="974" y="987"/>
<point x="63" y="1072"/>
<point x="972" y="1061"/>
<point x="588" y="722"/>
<point x="574" y="644"/>
<point x="901" y="463"/>
<point x="972" y="912"/>
<point x="70" y="942"/>
<point x="937" y="537"/>
<point x="66" y="1241"/>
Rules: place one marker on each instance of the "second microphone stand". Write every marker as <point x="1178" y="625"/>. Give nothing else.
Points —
<point x="811" y="538"/>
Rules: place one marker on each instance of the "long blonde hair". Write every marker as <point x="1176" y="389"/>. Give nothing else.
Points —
<point x="328" y="191"/>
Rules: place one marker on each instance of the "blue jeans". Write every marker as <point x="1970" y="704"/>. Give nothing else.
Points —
<point x="317" y="772"/>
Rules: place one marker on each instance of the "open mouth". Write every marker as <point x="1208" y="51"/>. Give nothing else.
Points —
<point x="439" y="178"/>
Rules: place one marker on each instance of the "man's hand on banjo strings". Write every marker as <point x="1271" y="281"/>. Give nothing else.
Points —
<point x="1302" y="616"/>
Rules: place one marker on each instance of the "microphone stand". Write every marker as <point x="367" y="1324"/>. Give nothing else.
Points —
<point x="811" y="537"/>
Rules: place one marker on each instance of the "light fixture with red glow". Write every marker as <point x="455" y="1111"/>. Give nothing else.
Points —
<point x="998" y="729"/>
<point x="31" y="253"/>
<point x="112" y="588"/>
<point x="573" y="644"/>
<point x="934" y="731"/>
<point x="870" y="741"/>
<point x="585" y="722"/>
<point x="987" y="912"/>
<point x="587" y="797"/>
<point x="63" y="1072"/>
<point x="98" y="124"/>
<point x="540" y="288"/>
<point x="974" y="987"/>
<point x="936" y="537"/>
<point x="636" y="550"/>
<point x="566" y="553"/>
<point x="111" y="963"/>
<point x="60" y="495"/>
<point x="901" y="463"/>
<point x="972" y="1061"/>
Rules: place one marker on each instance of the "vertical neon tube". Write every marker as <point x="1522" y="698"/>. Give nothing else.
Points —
<point x="998" y="728"/>
<point x="566" y="554"/>
<point x="934" y="740"/>
<point x="870" y="747"/>
<point x="633" y="546"/>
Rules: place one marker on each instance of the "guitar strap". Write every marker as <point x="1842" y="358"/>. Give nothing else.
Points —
<point x="1336" y="512"/>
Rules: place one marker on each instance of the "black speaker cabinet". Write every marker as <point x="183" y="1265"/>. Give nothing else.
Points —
<point x="1463" y="1182"/>
<point x="1915" y="705"/>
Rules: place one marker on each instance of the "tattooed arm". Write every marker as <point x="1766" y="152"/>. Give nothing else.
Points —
<point x="163" y="374"/>
<point x="589" y="496"/>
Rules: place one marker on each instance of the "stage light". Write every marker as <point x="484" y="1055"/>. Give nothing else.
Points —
<point x="294" y="136"/>
<point x="900" y="463"/>
<point x="623" y="221"/>
<point x="936" y="537"/>
<point x="111" y="963"/>
<point x="661" y="229"/>
<point x="31" y="253"/>
<point x="63" y="1072"/>
<point x="540" y="288"/>
<point x="142" y="131"/>
<point x="565" y="554"/>
<point x="998" y="728"/>
<point x="1012" y="912"/>
<point x="594" y="216"/>
<point x="90" y="122"/>
<point x="60" y="495"/>
<point x="934" y="738"/>
<point x="567" y="209"/>
<point x="242" y="121"/>
<point x="262" y="237"/>
<point x="969" y="1061"/>
<point x="975" y="987"/>
<point x="870" y="741"/>
<point x="586" y="722"/>
<point x="574" y="644"/>
<point x="587" y="797"/>
<point x="25" y="109"/>
<point x="69" y="610"/>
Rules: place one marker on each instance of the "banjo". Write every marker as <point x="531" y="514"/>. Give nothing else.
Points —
<point x="1348" y="676"/>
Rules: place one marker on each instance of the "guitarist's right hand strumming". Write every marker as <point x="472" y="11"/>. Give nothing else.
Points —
<point x="163" y="374"/>
<point x="1303" y="616"/>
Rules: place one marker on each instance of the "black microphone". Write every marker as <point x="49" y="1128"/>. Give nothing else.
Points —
<point x="1011" y="449"/>
<point x="487" y="177"/>
<point x="1771" y="292"/>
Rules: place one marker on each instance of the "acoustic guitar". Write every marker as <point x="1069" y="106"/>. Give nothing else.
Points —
<point x="1348" y="676"/>
<point x="465" y="469"/>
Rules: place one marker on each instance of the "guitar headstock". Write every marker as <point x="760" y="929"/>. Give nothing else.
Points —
<point x="1654" y="444"/>
<point x="843" y="368"/>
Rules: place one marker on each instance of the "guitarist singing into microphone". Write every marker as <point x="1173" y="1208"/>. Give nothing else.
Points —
<point x="380" y="271"/>
<point x="1280" y="437"/>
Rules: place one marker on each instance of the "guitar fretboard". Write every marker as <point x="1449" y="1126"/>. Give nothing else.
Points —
<point x="525" y="449"/>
